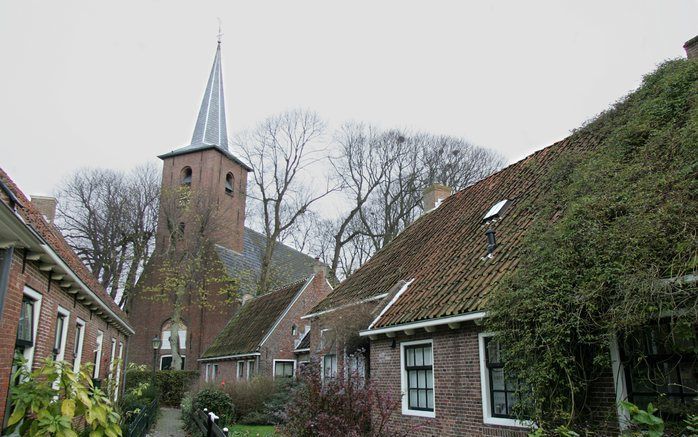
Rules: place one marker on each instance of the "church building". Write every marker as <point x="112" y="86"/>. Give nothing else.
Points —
<point x="208" y="167"/>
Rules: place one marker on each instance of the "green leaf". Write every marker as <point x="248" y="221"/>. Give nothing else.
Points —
<point x="68" y="408"/>
<point x="16" y="416"/>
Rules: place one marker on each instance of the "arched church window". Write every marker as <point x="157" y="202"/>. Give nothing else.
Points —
<point x="229" y="184"/>
<point x="186" y="176"/>
<point x="167" y="333"/>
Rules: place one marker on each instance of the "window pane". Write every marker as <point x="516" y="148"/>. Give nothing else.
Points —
<point x="419" y="357"/>
<point x="422" y="398"/>
<point x="497" y="379"/>
<point x="430" y="379"/>
<point x="26" y="322"/>
<point x="410" y="357"/>
<point x="430" y="399"/>
<point x="422" y="379"/>
<point x="689" y="377"/>
<point x="427" y="356"/>
<point x="499" y="404"/>
<point x="413" y="398"/>
<point x="511" y="400"/>
<point x="493" y="352"/>
<point x="412" y="375"/>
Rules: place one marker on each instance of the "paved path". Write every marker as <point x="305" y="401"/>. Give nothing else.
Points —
<point x="169" y="424"/>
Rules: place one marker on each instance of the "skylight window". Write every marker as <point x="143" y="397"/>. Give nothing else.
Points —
<point x="497" y="210"/>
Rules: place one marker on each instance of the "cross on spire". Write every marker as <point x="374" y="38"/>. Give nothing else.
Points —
<point x="220" y="31"/>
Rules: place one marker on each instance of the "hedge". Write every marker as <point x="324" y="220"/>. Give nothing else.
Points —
<point x="171" y="384"/>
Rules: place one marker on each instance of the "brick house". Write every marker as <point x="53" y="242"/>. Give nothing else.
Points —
<point x="267" y="336"/>
<point x="50" y="304"/>
<point x="208" y="166"/>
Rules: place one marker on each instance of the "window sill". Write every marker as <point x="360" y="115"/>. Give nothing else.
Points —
<point x="502" y="421"/>
<point x="418" y="413"/>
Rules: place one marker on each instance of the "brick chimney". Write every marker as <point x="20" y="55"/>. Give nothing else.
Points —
<point x="691" y="47"/>
<point x="46" y="206"/>
<point x="319" y="268"/>
<point x="433" y="195"/>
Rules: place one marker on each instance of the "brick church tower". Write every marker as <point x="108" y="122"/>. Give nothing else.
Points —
<point x="206" y="165"/>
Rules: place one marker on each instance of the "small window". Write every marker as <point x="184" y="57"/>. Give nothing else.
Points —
<point x="283" y="369"/>
<point x="167" y="332"/>
<point x="241" y="370"/>
<point x="294" y="330"/>
<point x="25" y="330"/>
<point x="502" y="386"/>
<point x="58" y="341"/>
<point x="211" y="372"/>
<point x="166" y="362"/>
<point x="77" y="344"/>
<point x="419" y="375"/>
<point x="229" y="184"/>
<point x="329" y="366"/>
<point x="250" y="369"/>
<point x="186" y="176"/>
<point x="98" y="354"/>
<point x="497" y="210"/>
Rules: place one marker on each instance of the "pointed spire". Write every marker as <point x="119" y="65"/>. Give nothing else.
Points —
<point x="210" y="129"/>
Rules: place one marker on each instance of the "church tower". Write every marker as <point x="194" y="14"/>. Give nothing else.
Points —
<point x="206" y="165"/>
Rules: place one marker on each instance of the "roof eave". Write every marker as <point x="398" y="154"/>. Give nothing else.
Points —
<point x="411" y="326"/>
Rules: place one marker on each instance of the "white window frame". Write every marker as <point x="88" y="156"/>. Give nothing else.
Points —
<point x="118" y="371"/>
<point x="406" y="411"/>
<point x="206" y="372"/>
<point x="112" y="356"/>
<point x="36" y="313"/>
<point x="250" y="368"/>
<point x="162" y="357"/>
<point x="273" y="371"/>
<point x="99" y="345"/>
<point x="322" y="366"/>
<point x="81" y="343"/>
<point x="240" y="365"/>
<point x="181" y="333"/>
<point x="60" y="356"/>
<point x="487" y="417"/>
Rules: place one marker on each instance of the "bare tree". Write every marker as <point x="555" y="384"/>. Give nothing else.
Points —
<point x="186" y="267"/>
<point x="109" y="217"/>
<point x="281" y="151"/>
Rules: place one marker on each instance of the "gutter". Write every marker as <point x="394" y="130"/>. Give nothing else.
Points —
<point x="228" y="357"/>
<point x="453" y="321"/>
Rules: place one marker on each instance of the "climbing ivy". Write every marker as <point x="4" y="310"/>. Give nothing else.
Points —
<point x="611" y="251"/>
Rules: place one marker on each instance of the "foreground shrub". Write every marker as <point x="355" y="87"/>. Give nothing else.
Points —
<point x="55" y="401"/>
<point x="135" y="400"/>
<point x="342" y="406"/>
<point x="171" y="384"/>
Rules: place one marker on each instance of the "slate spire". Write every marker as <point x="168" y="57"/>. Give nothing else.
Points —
<point x="210" y="129"/>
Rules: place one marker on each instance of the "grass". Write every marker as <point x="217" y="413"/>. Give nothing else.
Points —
<point x="252" y="431"/>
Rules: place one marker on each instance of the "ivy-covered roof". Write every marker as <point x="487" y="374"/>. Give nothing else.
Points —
<point x="245" y="331"/>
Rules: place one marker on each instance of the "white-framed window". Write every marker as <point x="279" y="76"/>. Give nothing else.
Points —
<point x="211" y="372"/>
<point x="241" y="370"/>
<point x="60" y="334"/>
<point x="250" y="369"/>
<point x="417" y="378"/>
<point x="284" y="368"/>
<point x="118" y="371"/>
<point x="329" y="366"/>
<point x="356" y="365"/>
<point x="78" y="343"/>
<point x="98" y="354"/>
<point x="167" y="332"/>
<point x="112" y="357"/>
<point x="498" y="390"/>
<point x="166" y="362"/>
<point x="28" y="325"/>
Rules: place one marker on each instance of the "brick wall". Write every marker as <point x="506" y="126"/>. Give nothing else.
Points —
<point x="37" y="280"/>
<point x="457" y="389"/>
<point x="280" y="344"/>
<point x="209" y="169"/>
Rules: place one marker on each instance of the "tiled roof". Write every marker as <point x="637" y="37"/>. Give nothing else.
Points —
<point x="55" y="240"/>
<point x="246" y="330"/>
<point x="443" y="250"/>
<point x="288" y="265"/>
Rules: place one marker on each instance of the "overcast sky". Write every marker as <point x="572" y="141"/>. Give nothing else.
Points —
<point x="113" y="84"/>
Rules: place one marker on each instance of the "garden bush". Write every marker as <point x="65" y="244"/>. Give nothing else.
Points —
<point x="250" y="398"/>
<point x="171" y="384"/>
<point x="215" y="400"/>
<point x="342" y="406"/>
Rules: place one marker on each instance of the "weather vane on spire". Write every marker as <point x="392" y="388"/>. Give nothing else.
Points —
<point x="220" y="30"/>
